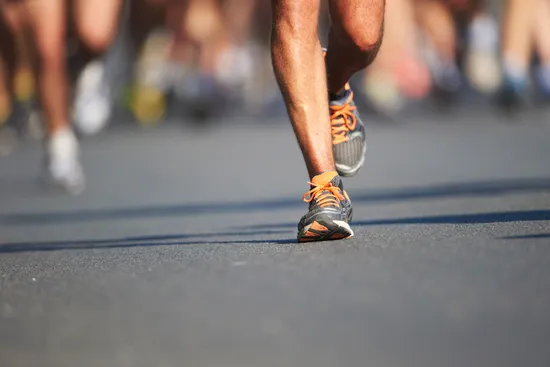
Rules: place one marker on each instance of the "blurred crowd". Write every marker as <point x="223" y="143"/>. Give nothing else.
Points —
<point x="76" y="62"/>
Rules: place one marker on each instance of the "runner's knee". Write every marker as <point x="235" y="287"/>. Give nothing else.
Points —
<point x="365" y="41"/>
<point x="361" y="31"/>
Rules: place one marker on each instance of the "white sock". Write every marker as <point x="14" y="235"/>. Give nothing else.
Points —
<point x="483" y="34"/>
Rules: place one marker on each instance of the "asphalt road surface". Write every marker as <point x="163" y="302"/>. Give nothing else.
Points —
<point x="181" y="252"/>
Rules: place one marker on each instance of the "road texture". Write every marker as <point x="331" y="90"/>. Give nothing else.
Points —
<point x="181" y="252"/>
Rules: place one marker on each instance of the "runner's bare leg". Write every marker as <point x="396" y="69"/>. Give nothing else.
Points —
<point x="300" y="71"/>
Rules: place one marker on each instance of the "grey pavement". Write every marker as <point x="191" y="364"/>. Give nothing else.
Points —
<point x="181" y="252"/>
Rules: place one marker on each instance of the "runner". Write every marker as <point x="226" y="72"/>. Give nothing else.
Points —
<point x="480" y="54"/>
<point x="17" y="84"/>
<point x="525" y="32"/>
<point x="96" y="24"/>
<point x="398" y="73"/>
<point x="319" y="100"/>
<point x="235" y="54"/>
<point x="45" y="19"/>
<point x="443" y="21"/>
<point x="7" y="67"/>
<point x="542" y="46"/>
<point x="154" y="72"/>
<point x="197" y="49"/>
<point x="8" y="134"/>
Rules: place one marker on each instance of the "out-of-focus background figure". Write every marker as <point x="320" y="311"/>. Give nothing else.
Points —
<point x="525" y="38"/>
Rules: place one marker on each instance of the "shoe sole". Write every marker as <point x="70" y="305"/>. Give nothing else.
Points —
<point x="325" y="230"/>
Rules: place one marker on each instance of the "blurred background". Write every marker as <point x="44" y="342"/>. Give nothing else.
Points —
<point x="181" y="248"/>
<point x="204" y="61"/>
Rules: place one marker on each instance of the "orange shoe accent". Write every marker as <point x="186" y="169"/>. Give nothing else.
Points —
<point x="324" y="191"/>
<point x="339" y="236"/>
<point x="311" y="234"/>
<point x="318" y="227"/>
<point x="342" y="120"/>
<point x="324" y="178"/>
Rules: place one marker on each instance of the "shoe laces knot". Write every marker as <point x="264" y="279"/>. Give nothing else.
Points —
<point x="326" y="194"/>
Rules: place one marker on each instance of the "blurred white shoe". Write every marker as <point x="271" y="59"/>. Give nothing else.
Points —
<point x="93" y="103"/>
<point x="482" y="64"/>
<point x="382" y="93"/>
<point x="63" y="163"/>
<point x="235" y="66"/>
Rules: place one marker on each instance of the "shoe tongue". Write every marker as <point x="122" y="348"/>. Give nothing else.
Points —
<point x="341" y="98"/>
<point x="325" y="178"/>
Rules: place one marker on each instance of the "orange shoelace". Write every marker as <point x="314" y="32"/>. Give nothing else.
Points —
<point x="342" y="120"/>
<point x="326" y="195"/>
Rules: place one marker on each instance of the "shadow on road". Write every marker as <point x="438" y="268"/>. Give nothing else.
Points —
<point x="478" y="218"/>
<point x="280" y="228"/>
<point x="527" y="236"/>
<point x="482" y="188"/>
<point x="142" y="241"/>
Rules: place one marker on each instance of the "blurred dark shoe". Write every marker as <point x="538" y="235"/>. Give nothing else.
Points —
<point x="513" y="94"/>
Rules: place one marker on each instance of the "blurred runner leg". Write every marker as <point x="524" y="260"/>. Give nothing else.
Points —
<point x="481" y="59"/>
<point x="398" y="71"/>
<point x="198" y="36"/>
<point x="97" y="25"/>
<point x="154" y="75"/>
<point x="5" y="75"/>
<point x="436" y="19"/>
<point x="25" y="111"/>
<point x="17" y="67"/>
<point x="236" y="54"/>
<point x="47" y="21"/>
<point x="542" y="45"/>
<point x="516" y="50"/>
<point x="8" y="136"/>
<point x="25" y="87"/>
